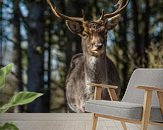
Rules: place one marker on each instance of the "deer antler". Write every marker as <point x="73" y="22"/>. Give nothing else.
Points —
<point x="102" y="16"/>
<point x="59" y="15"/>
<point x="121" y="7"/>
<point x="119" y="4"/>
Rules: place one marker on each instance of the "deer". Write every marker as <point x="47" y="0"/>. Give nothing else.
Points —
<point x="93" y="65"/>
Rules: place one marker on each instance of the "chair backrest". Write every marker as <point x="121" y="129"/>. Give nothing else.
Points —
<point x="146" y="77"/>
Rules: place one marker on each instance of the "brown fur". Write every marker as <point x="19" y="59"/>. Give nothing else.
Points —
<point x="101" y="70"/>
<point x="92" y="65"/>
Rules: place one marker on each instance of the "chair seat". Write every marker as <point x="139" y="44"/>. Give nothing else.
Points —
<point x="131" y="111"/>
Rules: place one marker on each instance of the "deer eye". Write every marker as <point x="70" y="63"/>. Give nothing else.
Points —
<point x="85" y="35"/>
<point x="105" y="33"/>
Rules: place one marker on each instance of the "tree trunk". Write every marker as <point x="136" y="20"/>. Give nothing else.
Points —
<point x="48" y="99"/>
<point x="47" y="50"/>
<point x="123" y="44"/>
<point x="17" y="48"/>
<point x="1" y="3"/>
<point x="146" y="31"/>
<point x="139" y="47"/>
<point x="36" y="55"/>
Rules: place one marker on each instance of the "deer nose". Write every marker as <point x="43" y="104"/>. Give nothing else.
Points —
<point x="99" y="45"/>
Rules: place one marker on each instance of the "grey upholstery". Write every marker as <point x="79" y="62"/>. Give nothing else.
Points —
<point x="131" y="105"/>
<point x="143" y="77"/>
<point x="125" y="110"/>
<point x="115" y="108"/>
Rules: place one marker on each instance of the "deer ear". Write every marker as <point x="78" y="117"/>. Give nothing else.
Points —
<point x="112" y="22"/>
<point x="74" y="27"/>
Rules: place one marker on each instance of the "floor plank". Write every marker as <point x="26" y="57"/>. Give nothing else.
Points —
<point x="57" y="121"/>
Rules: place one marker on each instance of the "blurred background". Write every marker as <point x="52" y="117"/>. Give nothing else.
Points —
<point x="41" y="47"/>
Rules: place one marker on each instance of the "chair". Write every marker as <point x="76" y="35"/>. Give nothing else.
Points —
<point x="141" y="104"/>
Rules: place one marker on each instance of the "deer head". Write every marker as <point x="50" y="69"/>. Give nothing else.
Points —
<point x="93" y="33"/>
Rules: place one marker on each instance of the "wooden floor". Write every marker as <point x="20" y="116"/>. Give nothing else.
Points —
<point x="58" y="121"/>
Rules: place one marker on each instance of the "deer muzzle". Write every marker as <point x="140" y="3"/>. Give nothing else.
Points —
<point x="98" y="49"/>
<point x="99" y="45"/>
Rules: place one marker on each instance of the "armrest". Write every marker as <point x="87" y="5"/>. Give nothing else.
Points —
<point x="103" y="86"/>
<point x="148" y="101"/>
<point x="98" y="89"/>
<point x="148" y="88"/>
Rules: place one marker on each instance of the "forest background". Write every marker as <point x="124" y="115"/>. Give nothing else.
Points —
<point x="41" y="47"/>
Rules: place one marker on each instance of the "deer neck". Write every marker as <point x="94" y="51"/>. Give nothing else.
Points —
<point x="95" y="69"/>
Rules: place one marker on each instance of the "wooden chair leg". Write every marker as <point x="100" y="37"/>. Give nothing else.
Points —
<point x="112" y="94"/>
<point x="124" y="125"/>
<point x="94" y="121"/>
<point x="146" y="110"/>
<point x="160" y="98"/>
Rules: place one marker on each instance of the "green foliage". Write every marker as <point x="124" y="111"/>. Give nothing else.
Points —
<point x="20" y="98"/>
<point x="3" y="73"/>
<point x="8" y="126"/>
<point x="155" y="55"/>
